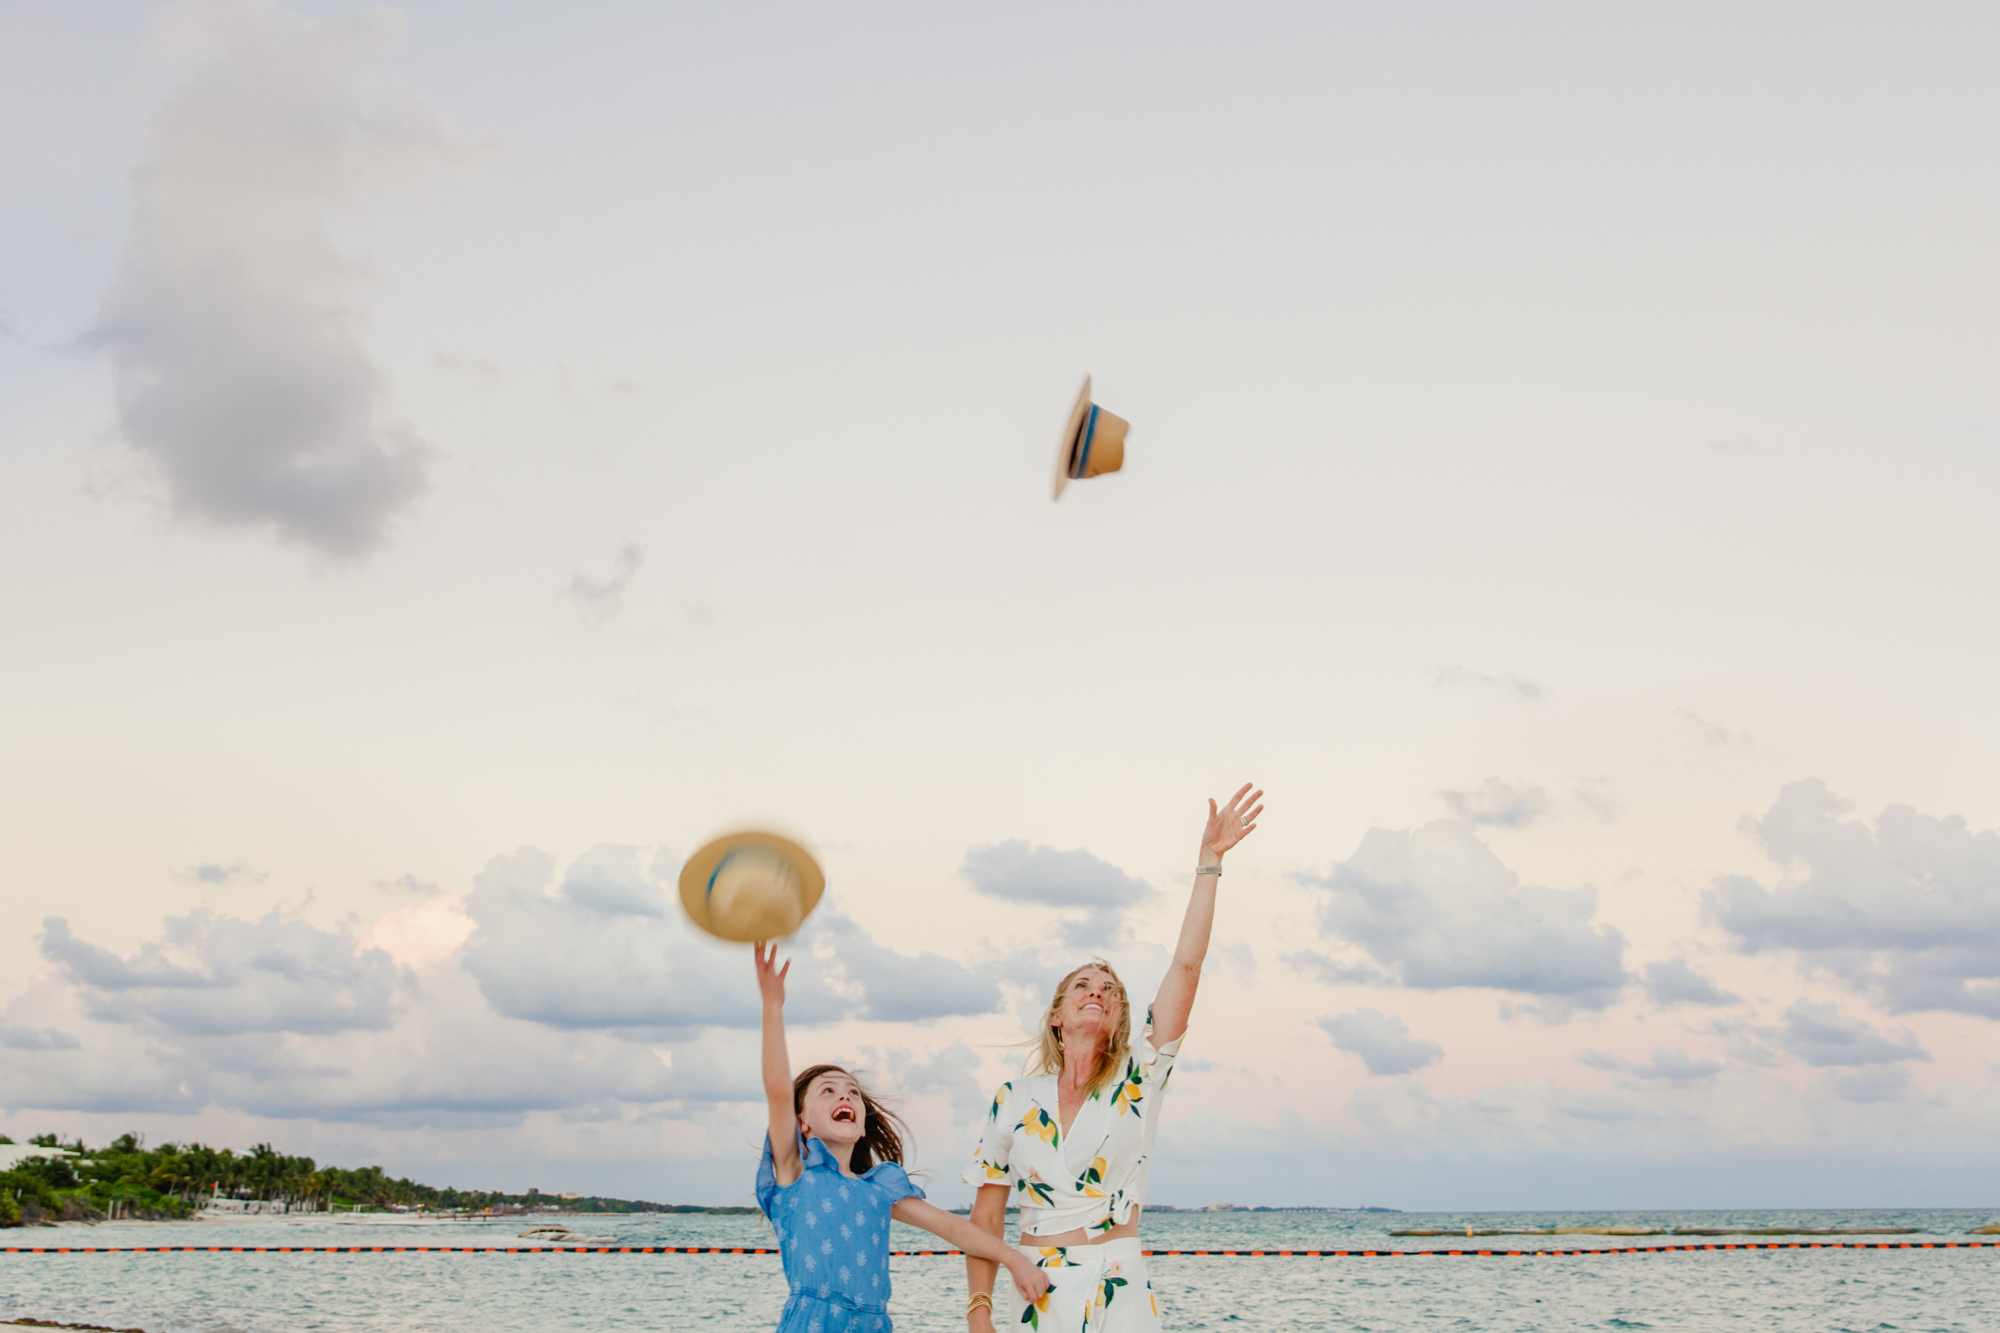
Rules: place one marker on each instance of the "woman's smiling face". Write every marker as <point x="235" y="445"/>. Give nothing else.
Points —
<point x="1091" y="1005"/>
<point x="834" y="1111"/>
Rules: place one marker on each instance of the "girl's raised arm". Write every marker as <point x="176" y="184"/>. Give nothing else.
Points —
<point x="778" y="1065"/>
<point x="976" y="1241"/>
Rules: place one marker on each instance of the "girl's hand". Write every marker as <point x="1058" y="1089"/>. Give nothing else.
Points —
<point x="1232" y="824"/>
<point x="979" y="1321"/>
<point x="1029" y="1279"/>
<point x="771" y="977"/>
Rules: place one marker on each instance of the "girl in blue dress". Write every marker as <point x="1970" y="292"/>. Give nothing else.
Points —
<point x="832" y="1177"/>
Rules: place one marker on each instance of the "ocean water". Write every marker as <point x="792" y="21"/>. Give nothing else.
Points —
<point x="1822" y="1290"/>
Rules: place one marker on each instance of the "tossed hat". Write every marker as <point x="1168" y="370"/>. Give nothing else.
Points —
<point x="1092" y="444"/>
<point x="751" y="886"/>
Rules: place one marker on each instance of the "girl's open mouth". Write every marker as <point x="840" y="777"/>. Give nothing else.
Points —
<point x="843" y="1115"/>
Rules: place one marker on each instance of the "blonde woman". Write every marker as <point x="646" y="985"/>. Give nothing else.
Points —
<point x="1070" y="1142"/>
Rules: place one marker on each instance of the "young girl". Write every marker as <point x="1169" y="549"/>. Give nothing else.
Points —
<point x="832" y="1177"/>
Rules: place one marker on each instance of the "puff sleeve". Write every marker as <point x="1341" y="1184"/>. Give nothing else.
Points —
<point x="894" y="1182"/>
<point x="989" y="1162"/>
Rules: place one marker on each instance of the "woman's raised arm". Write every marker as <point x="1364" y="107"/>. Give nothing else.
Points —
<point x="1226" y="827"/>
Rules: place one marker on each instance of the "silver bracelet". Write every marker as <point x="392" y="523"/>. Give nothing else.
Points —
<point x="1208" y="870"/>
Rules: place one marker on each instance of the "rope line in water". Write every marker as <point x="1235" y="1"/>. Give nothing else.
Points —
<point x="910" y="1254"/>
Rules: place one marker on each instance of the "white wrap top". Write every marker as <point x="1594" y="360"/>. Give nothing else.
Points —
<point x="1094" y="1176"/>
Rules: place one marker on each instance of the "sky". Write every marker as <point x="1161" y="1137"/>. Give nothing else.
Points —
<point x="455" y="459"/>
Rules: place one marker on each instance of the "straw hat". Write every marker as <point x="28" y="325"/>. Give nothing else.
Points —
<point x="751" y="886"/>
<point x="1093" y="442"/>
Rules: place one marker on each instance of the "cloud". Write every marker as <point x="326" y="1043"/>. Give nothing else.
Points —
<point x="1600" y="797"/>
<point x="106" y="971"/>
<point x="277" y="974"/>
<point x="899" y="988"/>
<point x="1676" y="982"/>
<point x="1075" y="880"/>
<point x="1908" y="910"/>
<point x="1334" y="972"/>
<point x="599" y="950"/>
<point x="1875" y="1083"/>
<point x="233" y="324"/>
<point x="1714" y="735"/>
<point x="601" y="599"/>
<point x="212" y="872"/>
<point x="1518" y="688"/>
<point x="950" y="1074"/>
<point x="603" y="948"/>
<point x="424" y="935"/>
<point x="1507" y="804"/>
<point x="21" y="1038"/>
<point x="1382" y="1041"/>
<point x="1437" y="909"/>
<point x="582" y="992"/>
<point x="1669" y="1066"/>
<point x="1821" y="1035"/>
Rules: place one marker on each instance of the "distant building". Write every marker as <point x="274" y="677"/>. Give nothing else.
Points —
<point x="13" y="1154"/>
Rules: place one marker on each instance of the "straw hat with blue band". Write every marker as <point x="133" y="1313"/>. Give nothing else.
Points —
<point x="751" y="886"/>
<point x="1093" y="442"/>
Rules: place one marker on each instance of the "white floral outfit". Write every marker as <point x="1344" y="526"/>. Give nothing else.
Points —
<point x="1093" y="1177"/>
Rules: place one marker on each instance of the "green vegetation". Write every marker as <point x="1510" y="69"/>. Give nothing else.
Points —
<point x="128" y="1179"/>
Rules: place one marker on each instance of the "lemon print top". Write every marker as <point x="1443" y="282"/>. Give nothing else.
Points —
<point x="1094" y="1176"/>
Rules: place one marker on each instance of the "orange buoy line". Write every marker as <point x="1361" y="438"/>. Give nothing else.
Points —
<point x="911" y="1254"/>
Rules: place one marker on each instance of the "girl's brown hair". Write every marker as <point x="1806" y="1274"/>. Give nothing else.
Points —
<point x="881" y="1137"/>
<point x="1046" y="1053"/>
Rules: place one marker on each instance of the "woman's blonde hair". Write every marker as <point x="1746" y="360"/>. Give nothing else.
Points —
<point x="1046" y="1057"/>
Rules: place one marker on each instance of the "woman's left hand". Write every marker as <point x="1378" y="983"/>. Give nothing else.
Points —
<point x="1231" y="824"/>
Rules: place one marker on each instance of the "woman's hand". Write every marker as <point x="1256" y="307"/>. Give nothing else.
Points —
<point x="979" y="1320"/>
<point x="1230" y="825"/>
<point x="1029" y="1279"/>
<point x="771" y="977"/>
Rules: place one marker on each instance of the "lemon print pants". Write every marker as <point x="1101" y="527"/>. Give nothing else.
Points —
<point x="1101" y="1288"/>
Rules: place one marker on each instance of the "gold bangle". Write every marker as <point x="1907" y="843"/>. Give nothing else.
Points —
<point x="977" y="1299"/>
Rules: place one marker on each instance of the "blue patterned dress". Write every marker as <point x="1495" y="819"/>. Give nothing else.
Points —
<point x="833" y="1232"/>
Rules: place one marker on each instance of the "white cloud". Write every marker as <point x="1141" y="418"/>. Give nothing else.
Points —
<point x="1908" y="910"/>
<point x="1669" y="1065"/>
<point x="1076" y="880"/>
<point x="1437" y="909"/>
<point x="213" y="975"/>
<point x="214" y="872"/>
<point x="1714" y="734"/>
<point x="1508" y="804"/>
<point x="901" y="988"/>
<point x="424" y="934"/>
<point x="1382" y="1041"/>
<point x="608" y="947"/>
<point x="23" y="1038"/>
<point x="233" y="324"/>
<point x="586" y="995"/>
<point x="1332" y="971"/>
<point x="1510" y="686"/>
<point x="1821" y="1035"/>
<point x="1600" y="797"/>
<point x="602" y="599"/>
<point x="1676" y="981"/>
<point x="1872" y="1083"/>
<point x="600" y="949"/>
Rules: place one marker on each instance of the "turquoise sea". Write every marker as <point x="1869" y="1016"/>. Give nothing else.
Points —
<point x="1822" y="1290"/>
